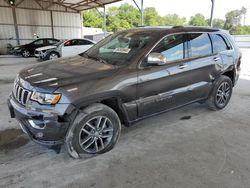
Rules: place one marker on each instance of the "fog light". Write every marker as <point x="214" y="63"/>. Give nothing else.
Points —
<point x="39" y="135"/>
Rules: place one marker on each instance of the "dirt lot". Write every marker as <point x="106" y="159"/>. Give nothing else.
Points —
<point x="191" y="147"/>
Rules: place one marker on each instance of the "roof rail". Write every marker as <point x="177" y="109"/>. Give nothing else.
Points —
<point x="177" y="26"/>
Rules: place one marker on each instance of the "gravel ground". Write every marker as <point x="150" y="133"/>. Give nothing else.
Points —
<point x="191" y="147"/>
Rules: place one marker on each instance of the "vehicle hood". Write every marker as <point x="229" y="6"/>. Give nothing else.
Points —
<point x="51" y="75"/>
<point x="46" y="48"/>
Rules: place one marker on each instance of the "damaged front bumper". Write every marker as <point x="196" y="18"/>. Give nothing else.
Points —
<point x="44" y="126"/>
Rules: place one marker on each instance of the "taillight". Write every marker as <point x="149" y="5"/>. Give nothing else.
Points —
<point x="239" y="61"/>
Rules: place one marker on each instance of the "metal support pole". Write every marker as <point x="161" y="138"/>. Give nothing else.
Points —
<point x="52" y="24"/>
<point x="81" y="20"/>
<point x="15" y="24"/>
<point x="105" y="21"/>
<point x="212" y="14"/>
<point x="141" y="9"/>
<point x="142" y="14"/>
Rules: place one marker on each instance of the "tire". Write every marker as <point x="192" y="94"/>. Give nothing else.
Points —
<point x="221" y="94"/>
<point x="25" y="53"/>
<point x="53" y="55"/>
<point x="95" y="130"/>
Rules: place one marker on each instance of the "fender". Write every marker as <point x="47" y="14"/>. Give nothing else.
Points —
<point x="114" y="99"/>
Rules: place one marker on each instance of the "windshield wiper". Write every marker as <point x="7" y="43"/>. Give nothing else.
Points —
<point x="95" y="58"/>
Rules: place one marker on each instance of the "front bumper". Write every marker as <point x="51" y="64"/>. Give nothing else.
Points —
<point x="46" y="128"/>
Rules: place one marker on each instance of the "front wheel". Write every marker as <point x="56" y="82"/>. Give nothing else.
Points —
<point x="221" y="93"/>
<point x="95" y="130"/>
<point x="53" y="55"/>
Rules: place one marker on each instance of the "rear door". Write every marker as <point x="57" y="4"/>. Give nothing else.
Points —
<point x="205" y="65"/>
<point x="222" y="48"/>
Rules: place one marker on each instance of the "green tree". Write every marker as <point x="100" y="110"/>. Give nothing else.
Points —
<point x="234" y="17"/>
<point x="173" y="20"/>
<point x="91" y="18"/>
<point x="240" y="30"/>
<point x="123" y="17"/>
<point x="218" y="23"/>
<point x="151" y="17"/>
<point x="198" y="20"/>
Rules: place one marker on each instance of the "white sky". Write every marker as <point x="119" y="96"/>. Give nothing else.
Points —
<point x="187" y="8"/>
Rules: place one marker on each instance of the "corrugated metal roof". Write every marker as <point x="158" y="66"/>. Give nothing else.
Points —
<point x="79" y="5"/>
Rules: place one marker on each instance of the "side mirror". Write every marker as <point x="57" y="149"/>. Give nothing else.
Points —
<point x="156" y="59"/>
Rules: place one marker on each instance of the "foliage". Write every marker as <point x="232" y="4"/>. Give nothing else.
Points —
<point x="218" y="23"/>
<point x="127" y="16"/>
<point x="198" y="20"/>
<point x="123" y="17"/>
<point x="151" y="17"/>
<point x="91" y="18"/>
<point x="173" y="20"/>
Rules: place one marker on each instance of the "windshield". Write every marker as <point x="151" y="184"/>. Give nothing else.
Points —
<point x="120" y="48"/>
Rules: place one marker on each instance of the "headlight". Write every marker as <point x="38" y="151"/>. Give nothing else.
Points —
<point x="44" y="98"/>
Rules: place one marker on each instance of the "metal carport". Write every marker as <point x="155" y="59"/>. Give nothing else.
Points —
<point x="21" y="19"/>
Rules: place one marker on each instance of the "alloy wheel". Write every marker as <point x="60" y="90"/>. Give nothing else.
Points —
<point x="53" y="56"/>
<point x="26" y="53"/>
<point x="96" y="134"/>
<point x="223" y="94"/>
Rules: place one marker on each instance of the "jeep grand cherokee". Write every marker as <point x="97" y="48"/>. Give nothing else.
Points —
<point x="82" y="101"/>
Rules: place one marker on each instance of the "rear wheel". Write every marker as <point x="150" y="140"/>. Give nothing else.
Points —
<point x="96" y="130"/>
<point x="25" y="53"/>
<point x="221" y="93"/>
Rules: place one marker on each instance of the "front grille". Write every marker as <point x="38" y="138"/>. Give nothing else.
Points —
<point x="21" y="95"/>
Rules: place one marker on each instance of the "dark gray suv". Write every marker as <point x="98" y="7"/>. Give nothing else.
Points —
<point x="82" y="101"/>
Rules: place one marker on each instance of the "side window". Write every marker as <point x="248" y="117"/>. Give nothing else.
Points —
<point x="172" y="47"/>
<point x="219" y="43"/>
<point x="200" y="44"/>
<point x="38" y="42"/>
<point x="51" y="41"/>
<point x="71" y="43"/>
<point x="84" y="42"/>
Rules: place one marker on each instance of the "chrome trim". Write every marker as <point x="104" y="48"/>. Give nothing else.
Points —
<point x="19" y="94"/>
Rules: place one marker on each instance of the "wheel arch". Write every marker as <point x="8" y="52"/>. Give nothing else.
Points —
<point x="113" y="100"/>
<point x="53" y="51"/>
<point x="231" y="74"/>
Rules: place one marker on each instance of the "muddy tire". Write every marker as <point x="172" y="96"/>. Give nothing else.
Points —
<point x="221" y="94"/>
<point x="95" y="130"/>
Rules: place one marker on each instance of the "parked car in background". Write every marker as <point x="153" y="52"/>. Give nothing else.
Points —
<point x="64" y="49"/>
<point x="28" y="50"/>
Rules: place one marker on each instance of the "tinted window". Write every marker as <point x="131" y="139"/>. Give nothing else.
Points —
<point x="219" y="43"/>
<point x="51" y="41"/>
<point x="38" y="42"/>
<point x="172" y="47"/>
<point x="200" y="44"/>
<point x="71" y="42"/>
<point x="84" y="42"/>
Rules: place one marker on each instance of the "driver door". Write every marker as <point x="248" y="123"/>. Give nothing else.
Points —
<point x="70" y="48"/>
<point x="162" y="87"/>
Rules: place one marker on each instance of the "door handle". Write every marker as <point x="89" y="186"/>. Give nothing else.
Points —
<point x="183" y="66"/>
<point x="216" y="59"/>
